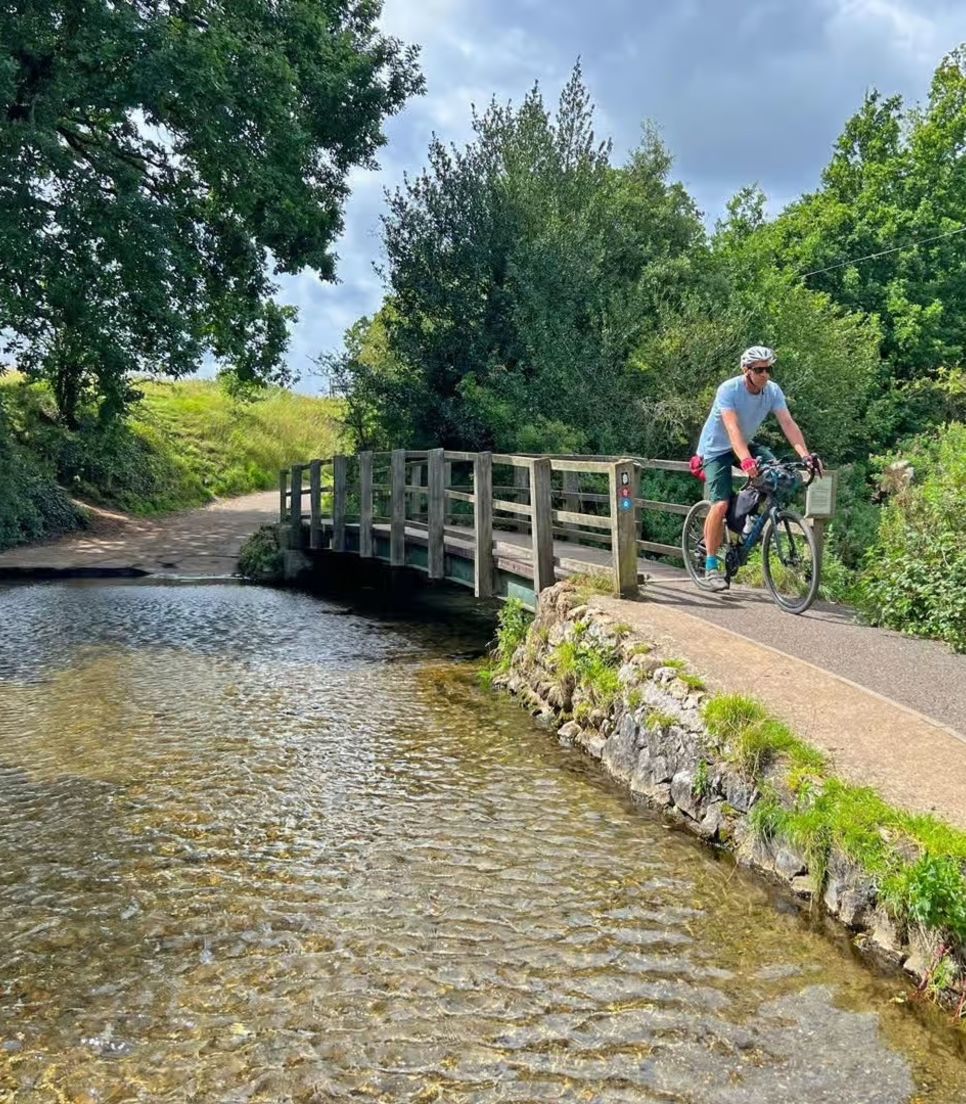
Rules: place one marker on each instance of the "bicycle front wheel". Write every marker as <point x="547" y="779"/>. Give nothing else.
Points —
<point x="790" y="561"/>
<point x="692" y="543"/>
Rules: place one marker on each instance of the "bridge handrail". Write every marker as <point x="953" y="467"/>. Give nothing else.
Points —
<point x="411" y="500"/>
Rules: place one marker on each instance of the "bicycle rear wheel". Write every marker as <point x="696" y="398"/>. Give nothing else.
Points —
<point x="790" y="561"/>
<point x="692" y="543"/>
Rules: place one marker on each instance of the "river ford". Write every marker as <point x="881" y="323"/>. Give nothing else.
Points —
<point x="257" y="846"/>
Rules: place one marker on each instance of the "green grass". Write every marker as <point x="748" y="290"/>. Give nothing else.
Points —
<point x="693" y="682"/>
<point x="656" y="719"/>
<point x="588" y="583"/>
<point x="513" y="625"/>
<point x="590" y="665"/>
<point x="916" y="862"/>
<point x="751" y="739"/>
<point x="233" y="446"/>
<point x="181" y="446"/>
<point x="677" y="664"/>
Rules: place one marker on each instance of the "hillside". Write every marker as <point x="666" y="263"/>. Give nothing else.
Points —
<point x="183" y="445"/>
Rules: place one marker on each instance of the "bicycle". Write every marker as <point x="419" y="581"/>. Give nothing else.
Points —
<point x="790" y="559"/>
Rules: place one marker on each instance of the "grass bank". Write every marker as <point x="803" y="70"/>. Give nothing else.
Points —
<point x="182" y="445"/>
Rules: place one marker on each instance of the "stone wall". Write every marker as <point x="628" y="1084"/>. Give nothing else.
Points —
<point x="652" y="738"/>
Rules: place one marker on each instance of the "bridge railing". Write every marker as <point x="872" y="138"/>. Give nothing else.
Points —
<point x="467" y="499"/>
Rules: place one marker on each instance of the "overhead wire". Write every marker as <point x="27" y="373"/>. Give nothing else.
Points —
<point x="883" y="252"/>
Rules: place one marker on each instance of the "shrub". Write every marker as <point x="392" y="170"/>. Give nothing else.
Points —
<point x="261" y="558"/>
<point x="914" y="577"/>
<point x="513" y="624"/>
<point x="32" y="506"/>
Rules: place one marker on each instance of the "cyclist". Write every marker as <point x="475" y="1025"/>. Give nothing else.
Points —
<point x="741" y="404"/>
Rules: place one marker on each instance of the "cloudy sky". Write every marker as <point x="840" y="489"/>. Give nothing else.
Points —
<point x="742" y="91"/>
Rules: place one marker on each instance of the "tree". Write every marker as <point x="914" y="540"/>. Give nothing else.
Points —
<point x="159" y="159"/>
<point x="897" y="176"/>
<point x="520" y="271"/>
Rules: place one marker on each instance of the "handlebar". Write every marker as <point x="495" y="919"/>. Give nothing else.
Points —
<point x="784" y="465"/>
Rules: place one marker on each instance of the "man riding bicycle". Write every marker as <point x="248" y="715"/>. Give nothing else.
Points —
<point x="741" y="404"/>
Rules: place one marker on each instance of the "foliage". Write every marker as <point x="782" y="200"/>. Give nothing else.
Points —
<point x="519" y="269"/>
<point x="260" y="558"/>
<point x="32" y="506"/>
<point x="897" y="175"/>
<point x="590" y="664"/>
<point x="701" y="785"/>
<point x="932" y="892"/>
<point x="513" y="624"/>
<point x="156" y="159"/>
<point x="752" y="739"/>
<point x="185" y="444"/>
<point x="914" y="577"/>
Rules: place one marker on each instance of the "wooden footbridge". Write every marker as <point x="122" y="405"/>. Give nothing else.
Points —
<point x="505" y="525"/>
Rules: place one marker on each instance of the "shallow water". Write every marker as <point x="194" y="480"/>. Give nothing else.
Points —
<point x="255" y="846"/>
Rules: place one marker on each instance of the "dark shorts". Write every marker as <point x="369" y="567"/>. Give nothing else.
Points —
<point x="718" y="472"/>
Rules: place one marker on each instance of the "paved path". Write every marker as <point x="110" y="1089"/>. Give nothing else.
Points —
<point x="914" y="761"/>
<point x="201" y="542"/>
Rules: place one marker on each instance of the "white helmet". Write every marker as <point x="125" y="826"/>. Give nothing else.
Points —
<point x="757" y="353"/>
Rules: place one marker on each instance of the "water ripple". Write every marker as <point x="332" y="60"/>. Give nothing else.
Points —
<point x="254" y="847"/>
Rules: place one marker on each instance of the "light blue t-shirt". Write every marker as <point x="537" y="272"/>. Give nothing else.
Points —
<point x="751" y="409"/>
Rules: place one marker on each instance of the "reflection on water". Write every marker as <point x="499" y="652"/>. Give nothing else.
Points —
<point x="255" y="847"/>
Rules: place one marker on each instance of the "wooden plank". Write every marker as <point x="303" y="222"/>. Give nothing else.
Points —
<point x="315" y="504"/>
<point x="296" y="518"/>
<point x="623" y="489"/>
<point x="664" y="549"/>
<point x="340" y="470"/>
<point x="666" y="507"/>
<point x="397" y="509"/>
<point x="460" y="496"/>
<point x="483" y="578"/>
<point x="595" y="521"/>
<point x="282" y="495"/>
<point x="365" y="504"/>
<point x="542" y="527"/>
<point x="565" y="532"/>
<point x="461" y="457"/>
<point x="598" y="466"/>
<point x="511" y="507"/>
<point x="666" y="465"/>
<point x="437" y="514"/>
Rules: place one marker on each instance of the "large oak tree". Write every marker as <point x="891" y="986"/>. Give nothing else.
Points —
<point x="159" y="161"/>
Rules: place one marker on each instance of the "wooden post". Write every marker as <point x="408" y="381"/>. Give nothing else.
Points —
<point x="483" y="582"/>
<point x="315" y="504"/>
<point x="571" y="488"/>
<point x="340" y="467"/>
<point x="623" y="527"/>
<point x="521" y="478"/>
<point x="282" y="495"/>
<point x="447" y="485"/>
<point x="296" y="539"/>
<point x="437" y="513"/>
<point x="397" y="509"/>
<point x="415" y="498"/>
<point x="541" y="528"/>
<point x="365" y="504"/>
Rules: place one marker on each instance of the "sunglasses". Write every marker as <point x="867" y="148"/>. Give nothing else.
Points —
<point x="761" y="369"/>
